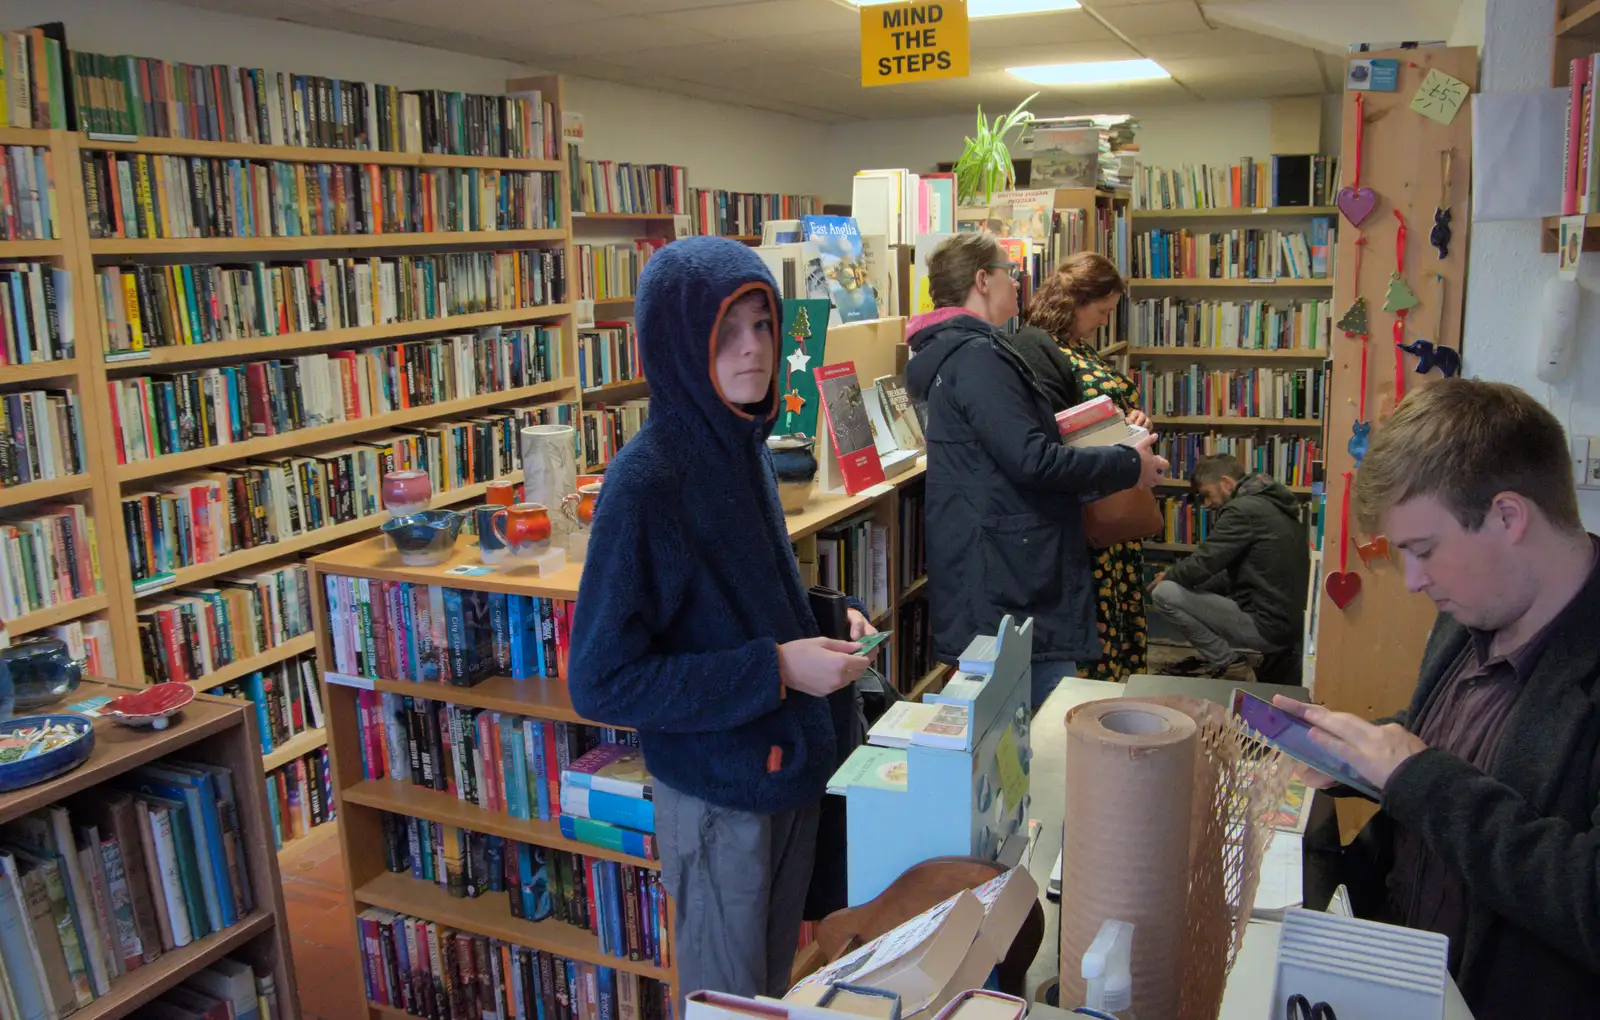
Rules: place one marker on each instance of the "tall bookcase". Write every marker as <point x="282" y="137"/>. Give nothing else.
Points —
<point x="104" y="485"/>
<point x="362" y="802"/>
<point x="1282" y="292"/>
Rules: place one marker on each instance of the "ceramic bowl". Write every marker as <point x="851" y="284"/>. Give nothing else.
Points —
<point x="796" y="468"/>
<point x="406" y="492"/>
<point x="18" y="774"/>
<point x="42" y="671"/>
<point x="424" y="539"/>
<point x="151" y="707"/>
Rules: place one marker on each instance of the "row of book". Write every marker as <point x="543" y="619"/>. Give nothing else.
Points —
<point x="742" y="214"/>
<point x="1284" y="181"/>
<point x="1292" y="393"/>
<point x="48" y="557"/>
<point x="608" y="352"/>
<point x="228" y="988"/>
<point x="912" y="656"/>
<point x="44" y="433"/>
<point x="300" y="796"/>
<point x="913" y="542"/>
<point x="36" y="320"/>
<point x="104" y="884"/>
<point x="1290" y="459"/>
<point x="1259" y="325"/>
<point x="1188" y="522"/>
<point x="194" y="632"/>
<point x="432" y="971"/>
<point x="395" y="630"/>
<point x="610" y="271"/>
<point x="221" y="103"/>
<point x="1580" y="171"/>
<point x="28" y="209"/>
<point x="622" y="905"/>
<point x="287" y="697"/>
<point x="35" y="87"/>
<point x="607" y="428"/>
<point x="142" y="195"/>
<point x="1246" y="254"/>
<point x="89" y="640"/>
<point x="853" y="557"/>
<point x="153" y="416"/>
<point x="607" y="186"/>
<point x="150" y="306"/>
<point x="200" y="518"/>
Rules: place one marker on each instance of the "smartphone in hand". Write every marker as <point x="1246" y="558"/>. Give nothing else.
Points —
<point x="1292" y="736"/>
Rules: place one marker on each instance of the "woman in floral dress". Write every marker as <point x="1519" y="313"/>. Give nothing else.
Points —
<point x="1062" y="317"/>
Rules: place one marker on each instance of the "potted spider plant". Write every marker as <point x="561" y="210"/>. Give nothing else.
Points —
<point x="985" y="164"/>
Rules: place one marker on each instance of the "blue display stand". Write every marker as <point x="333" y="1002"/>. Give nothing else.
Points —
<point x="907" y="806"/>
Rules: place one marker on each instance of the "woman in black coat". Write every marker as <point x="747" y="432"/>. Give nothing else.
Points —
<point x="1004" y="494"/>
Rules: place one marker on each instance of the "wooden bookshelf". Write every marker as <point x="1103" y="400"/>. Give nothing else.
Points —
<point x="1227" y="354"/>
<point x="1269" y="212"/>
<point x="217" y="731"/>
<point x="1180" y="483"/>
<point x="1281" y="282"/>
<point x="299" y="154"/>
<point x="324" y="243"/>
<point x="1234" y="421"/>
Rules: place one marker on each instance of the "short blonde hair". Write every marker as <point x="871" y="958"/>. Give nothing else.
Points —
<point x="1463" y="442"/>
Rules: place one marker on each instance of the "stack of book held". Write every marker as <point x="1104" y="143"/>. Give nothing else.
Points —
<point x="1096" y="422"/>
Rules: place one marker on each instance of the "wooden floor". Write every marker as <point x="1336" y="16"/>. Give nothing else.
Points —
<point x="321" y="928"/>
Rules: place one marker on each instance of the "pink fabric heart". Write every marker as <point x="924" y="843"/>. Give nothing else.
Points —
<point x="1342" y="587"/>
<point x="1356" y="204"/>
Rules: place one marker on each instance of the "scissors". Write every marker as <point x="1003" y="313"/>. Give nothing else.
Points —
<point x="1302" y="1009"/>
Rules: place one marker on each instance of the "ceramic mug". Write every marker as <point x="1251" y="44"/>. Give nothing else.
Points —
<point x="501" y="493"/>
<point x="406" y="492"/>
<point x="491" y="545"/>
<point x="584" y="500"/>
<point x="524" y="528"/>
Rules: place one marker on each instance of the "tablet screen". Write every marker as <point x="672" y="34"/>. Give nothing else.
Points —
<point x="1292" y="736"/>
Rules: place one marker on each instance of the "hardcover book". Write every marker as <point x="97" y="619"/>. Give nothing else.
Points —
<point x="839" y="241"/>
<point x="848" y="427"/>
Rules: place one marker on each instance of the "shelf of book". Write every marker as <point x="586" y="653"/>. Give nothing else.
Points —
<point x="624" y="217"/>
<point x="1281" y="282"/>
<point x="297" y="746"/>
<point x="298" y="154"/>
<point x="915" y="588"/>
<point x="215" y="732"/>
<point x="1269" y="212"/>
<point x="1583" y="23"/>
<point x="932" y="682"/>
<point x="1240" y="353"/>
<point x="446" y="809"/>
<point x="1235" y="421"/>
<point x="31" y="249"/>
<point x="625" y="390"/>
<point x="283" y="343"/>
<point x="1170" y="547"/>
<point x="26" y="136"/>
<point x="60" y="613"/>
<point x="191" y="459"/>
<point x="321" y="242"/>
<point x="49" y="488"/>
<point x="244" y="667"/>
<point x="490" y="915"/>
<point x="39" y="370"/>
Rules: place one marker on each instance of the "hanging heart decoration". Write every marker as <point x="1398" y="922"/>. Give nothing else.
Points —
<point x="1341" y="585"/>
<point x="1354" y="201"/>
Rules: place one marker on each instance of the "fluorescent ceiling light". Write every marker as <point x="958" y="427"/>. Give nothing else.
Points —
<point x="1000" y="8"/>
<point x="1102" y="72"/>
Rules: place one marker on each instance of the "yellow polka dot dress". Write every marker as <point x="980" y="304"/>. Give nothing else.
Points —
<point x="1118" y="570"/>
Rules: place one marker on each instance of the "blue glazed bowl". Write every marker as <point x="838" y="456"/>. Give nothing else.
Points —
<point x="425" y="539"/>
<point x="18" y="774"/>
<point x="42" y="671"/>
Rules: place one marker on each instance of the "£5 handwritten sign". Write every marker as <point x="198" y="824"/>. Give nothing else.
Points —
<point x="922" y="40"/>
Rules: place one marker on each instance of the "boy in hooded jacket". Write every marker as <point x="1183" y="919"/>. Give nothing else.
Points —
<point x="693" y="626"/>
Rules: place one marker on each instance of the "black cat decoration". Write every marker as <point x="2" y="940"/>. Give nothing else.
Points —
<point x="1431" y="356"/>
<point x="1439" y="236"/>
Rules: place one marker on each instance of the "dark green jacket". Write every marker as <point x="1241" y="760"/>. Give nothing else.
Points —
<point x="1256" y="554"/>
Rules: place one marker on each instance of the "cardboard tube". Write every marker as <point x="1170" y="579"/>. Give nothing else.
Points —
<point x="1125" y="853"/>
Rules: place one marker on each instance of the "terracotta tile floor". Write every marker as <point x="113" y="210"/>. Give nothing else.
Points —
<point x="322" y="929"/>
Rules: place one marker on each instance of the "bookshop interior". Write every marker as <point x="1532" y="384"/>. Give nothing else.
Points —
<point x="1063" y="556"/>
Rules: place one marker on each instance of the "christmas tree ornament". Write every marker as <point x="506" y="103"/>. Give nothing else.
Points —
<point x="1354" y="320"/>
<point x="1343" y="585"/>
<point x="1399" y="297"/>
<point x="793" y="402"/>
<point x="1439" y="236"/>
<point x="1354" y="201"/>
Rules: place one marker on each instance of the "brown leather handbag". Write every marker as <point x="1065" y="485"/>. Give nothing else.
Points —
<point x="1122" y="517"/>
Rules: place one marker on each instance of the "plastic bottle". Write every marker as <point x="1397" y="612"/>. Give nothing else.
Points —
<point x="1108" y="969"/>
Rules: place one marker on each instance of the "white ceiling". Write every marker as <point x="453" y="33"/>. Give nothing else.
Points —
<point x="803" y="56"/>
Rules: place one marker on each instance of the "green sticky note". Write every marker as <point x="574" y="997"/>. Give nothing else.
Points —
<point x="1440" y="96"/>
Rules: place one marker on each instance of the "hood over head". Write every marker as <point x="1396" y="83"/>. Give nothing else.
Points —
<point x="684" y="291"/>
<point x="1272" y="491"/>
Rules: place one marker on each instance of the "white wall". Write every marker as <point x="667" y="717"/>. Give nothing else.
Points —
<point x="1507" y="272"/>
<point x="1212" y="132"/>
<point x="723" y="146"/>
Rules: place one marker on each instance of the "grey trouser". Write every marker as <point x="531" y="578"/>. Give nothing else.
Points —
<point x="738" y="882"/>
<point x="1213" y="624"/>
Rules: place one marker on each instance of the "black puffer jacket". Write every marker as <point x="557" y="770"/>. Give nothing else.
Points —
<point x="1005" y="496"/>
<point x="1256" y="553"/>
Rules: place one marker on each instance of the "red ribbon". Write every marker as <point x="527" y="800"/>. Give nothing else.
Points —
<point x="1361" y="405"/>
<point x="1344" y="528"/>
<point x="1361" y="103"/>
<point x="1399" y="316"/>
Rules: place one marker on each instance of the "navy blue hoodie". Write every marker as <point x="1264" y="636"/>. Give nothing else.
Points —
<point x="691" y="583"/>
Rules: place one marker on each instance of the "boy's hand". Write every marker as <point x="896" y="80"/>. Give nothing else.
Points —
<point x="820" y="666"/>
<point x="860" y="626"/>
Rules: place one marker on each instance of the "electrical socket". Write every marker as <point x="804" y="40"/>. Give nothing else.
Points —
<point x="1586" y="461"/>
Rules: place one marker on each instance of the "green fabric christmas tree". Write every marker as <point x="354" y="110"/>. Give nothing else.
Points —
<point x="1399" y="297"/>
<point x="1354" y="321"/>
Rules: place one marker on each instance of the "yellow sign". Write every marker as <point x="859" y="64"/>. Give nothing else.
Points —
<point x="918" y="41"/>
<point x="1013" y="780"/>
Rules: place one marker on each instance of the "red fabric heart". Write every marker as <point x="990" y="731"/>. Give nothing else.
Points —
<point x="1342" y="587"/>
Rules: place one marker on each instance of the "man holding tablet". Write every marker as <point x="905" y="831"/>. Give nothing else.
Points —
<point x="1489" y="782"/>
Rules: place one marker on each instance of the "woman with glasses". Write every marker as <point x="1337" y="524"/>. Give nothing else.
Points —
<point x="1057" y="342"/>
<point x="1004" y="509"/>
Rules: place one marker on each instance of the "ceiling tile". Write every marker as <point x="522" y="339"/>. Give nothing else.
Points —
<point x="484" y="18"/>
<point x="1034" y="56"/>
<point x="1140" y="20"/>
<point x="610" y="35"/>
<point x="769" y="19"/>
<point x="726" y="53"/>
<point x="1234" y="42"/>
<point x="1058" y="26"/>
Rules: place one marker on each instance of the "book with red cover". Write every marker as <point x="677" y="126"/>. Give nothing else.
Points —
<point x="848" y="427"/>
<point x="1081" y="416"/>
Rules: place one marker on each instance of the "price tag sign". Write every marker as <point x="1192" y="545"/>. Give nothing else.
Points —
<point x="923" y="40"/>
